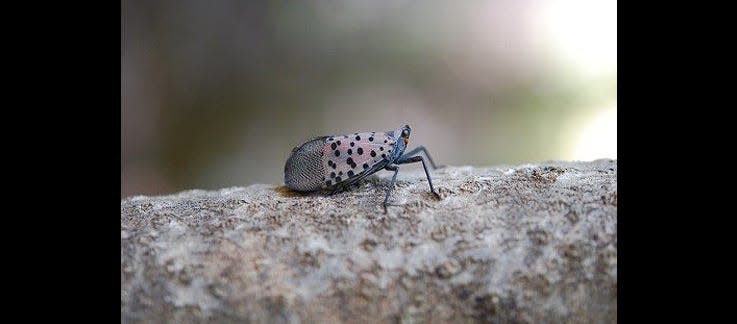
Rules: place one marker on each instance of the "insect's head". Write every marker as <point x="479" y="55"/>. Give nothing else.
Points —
<point x="405" y="133"/>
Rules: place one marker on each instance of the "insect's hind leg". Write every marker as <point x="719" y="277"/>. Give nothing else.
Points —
<point x="340" y="188"/>
<point x="418" y="150"/>
<point x="412" y="159"/>
<point x="336" y="190"/>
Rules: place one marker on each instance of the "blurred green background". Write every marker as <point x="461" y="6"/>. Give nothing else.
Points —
<point x="217" y="93"/>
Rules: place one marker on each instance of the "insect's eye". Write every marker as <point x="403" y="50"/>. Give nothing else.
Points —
<point x="405" y="133"/>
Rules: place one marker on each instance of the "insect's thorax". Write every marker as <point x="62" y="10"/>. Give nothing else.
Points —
<point x="397" y="150"/>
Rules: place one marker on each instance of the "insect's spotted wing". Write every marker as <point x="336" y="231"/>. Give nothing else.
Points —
<point x="347" y="157"/>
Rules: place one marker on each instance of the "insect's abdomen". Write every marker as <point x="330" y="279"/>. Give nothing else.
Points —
<point x="304" y="170"/>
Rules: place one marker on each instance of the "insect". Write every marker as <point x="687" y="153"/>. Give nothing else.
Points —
<point x="335" y="162"/>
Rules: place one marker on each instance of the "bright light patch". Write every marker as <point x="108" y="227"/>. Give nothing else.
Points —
<point x="598" y="139"/>
<point x="585" y="32"/>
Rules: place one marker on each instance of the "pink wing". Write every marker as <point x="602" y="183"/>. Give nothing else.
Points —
<point x="348" y="156"/>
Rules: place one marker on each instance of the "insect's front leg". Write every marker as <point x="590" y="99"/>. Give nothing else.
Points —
<point x="395" y="168"/>
<point x="404" y="159"/>
<point x="418" y="150"/>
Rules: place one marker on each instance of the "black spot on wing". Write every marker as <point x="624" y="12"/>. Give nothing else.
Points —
<point x="351" y="163"/>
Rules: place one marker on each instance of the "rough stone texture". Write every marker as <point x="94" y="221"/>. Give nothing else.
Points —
<point x="521" y="244"/>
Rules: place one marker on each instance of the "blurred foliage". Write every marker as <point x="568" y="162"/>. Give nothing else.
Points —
<point x="216" y="94"/>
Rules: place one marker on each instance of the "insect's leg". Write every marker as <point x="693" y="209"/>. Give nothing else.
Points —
<point x="337" y="188"/>
<point x="411" y="159"/>
<point x="391" y="167"/>
<point x="417" y="150"/>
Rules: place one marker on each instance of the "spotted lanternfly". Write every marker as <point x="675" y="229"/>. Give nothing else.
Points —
<point x="331" y="163"/>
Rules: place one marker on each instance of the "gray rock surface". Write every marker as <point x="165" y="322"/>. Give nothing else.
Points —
<point x="525" y="244"/>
